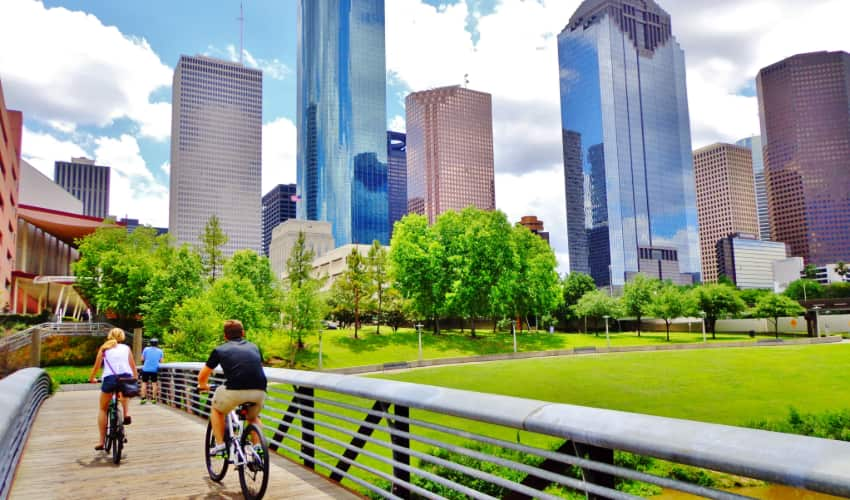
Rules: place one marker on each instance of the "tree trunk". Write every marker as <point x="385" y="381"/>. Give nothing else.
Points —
<point x="638" y="325"/>
<point x="356" y="313"/>
<point x="472" y="326"/>
<point x="378" y="331"/>
<point x="776" y="327"/>
<point x="668" y="329"/>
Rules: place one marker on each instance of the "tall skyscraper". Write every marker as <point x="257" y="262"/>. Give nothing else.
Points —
<point x="342" y="141"/>
<point x="216" y="153"/>
<point x="87" y="181"/>
<point x="726" y="199"/>
<point x="396" y="176"/>
<point x="279" y="205"/>
<point x="11" y="125"/>
<point x="449" y="151"/>
<point x="804" y="107"/>
<point x="754" y="144"/>
<point x="627" y="145"/>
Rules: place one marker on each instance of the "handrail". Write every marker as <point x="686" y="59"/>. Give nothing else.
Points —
<point x="21" y="395"/>
<point x="23" y="338"/>
<point x="589" y="437"/>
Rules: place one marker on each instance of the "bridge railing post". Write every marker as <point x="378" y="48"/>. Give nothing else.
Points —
<point x="308" y="434"/>
<point x="400" y="457"/>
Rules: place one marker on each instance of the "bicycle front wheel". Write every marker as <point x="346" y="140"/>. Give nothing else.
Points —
<point x="254" y="473"/>
<point x="116" y="431"/>
<point x="216" y="464"/>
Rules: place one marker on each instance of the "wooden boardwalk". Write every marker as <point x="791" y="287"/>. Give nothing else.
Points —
<point x="162" y="459"/>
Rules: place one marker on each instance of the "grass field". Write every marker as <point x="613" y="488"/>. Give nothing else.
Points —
<point x="340" y="349"/>
<point x="730" y="386"/>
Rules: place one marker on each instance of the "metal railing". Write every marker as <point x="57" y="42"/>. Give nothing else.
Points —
<point x="23" y="338"/>
<point x="398" y="440"/>
<point x="21" y="395"/>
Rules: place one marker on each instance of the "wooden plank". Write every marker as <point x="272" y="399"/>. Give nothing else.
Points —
<point x="162" y="459"/>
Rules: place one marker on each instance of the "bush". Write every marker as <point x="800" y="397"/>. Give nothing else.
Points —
<point x="828" y="425"/>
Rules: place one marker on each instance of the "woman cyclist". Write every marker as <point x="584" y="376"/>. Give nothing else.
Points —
<point x="117" y="360"/>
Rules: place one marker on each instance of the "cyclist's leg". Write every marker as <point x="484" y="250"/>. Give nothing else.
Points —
<point x="103" y="404"/>
<point x="222" y="404"/>
<point x="144" y="386"/>
<point x="125" y="403"/>
<point x="155" y="385"/>
<point x="257" y="397"/>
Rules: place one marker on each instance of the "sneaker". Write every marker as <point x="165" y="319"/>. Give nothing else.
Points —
<point x="153" y="401"/>
<point x="219" y="449"/>
<point x="143" y="401"/>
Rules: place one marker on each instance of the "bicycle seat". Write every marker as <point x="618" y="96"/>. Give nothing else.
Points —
<point x="242" y="409"/>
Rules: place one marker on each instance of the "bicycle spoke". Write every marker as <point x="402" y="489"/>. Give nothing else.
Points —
<point x="254" y="474"/>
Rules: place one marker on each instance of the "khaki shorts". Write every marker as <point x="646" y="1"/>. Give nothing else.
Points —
<point x="225" y="400"/>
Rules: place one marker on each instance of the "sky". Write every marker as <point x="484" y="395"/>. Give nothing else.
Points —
<point x="93" y="78"/>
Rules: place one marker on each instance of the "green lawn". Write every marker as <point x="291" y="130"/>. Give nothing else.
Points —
<point x="340" y="349"/>
<point x="730" y="386"/>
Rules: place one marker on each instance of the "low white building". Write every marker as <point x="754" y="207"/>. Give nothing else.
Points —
<point x="36" y="189"/>
<point x="786" y="271"/>
<point x="317" y="237"/>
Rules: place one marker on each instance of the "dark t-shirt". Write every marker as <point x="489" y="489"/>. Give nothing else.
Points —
<point x="242" y="364"/>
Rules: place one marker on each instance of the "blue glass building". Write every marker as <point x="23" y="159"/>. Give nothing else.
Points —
<point x="396" y="176"/>
<point x="342" y="148"/>
<point x="631" y="202"/>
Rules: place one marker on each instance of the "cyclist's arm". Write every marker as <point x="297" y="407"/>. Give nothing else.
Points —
<point x="97" y="362"/>
<point x="204" y="377"/>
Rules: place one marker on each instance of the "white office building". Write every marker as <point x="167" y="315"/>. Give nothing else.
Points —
<point x="748" y="261"/>
<point x="318" y="238"/>
<point x="216" y="152"/>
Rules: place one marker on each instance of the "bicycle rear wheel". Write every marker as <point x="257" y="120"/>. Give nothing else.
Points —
<point x="254" y="474"/>
<point x="117" y="431"/>
<point x="216" y="465"/>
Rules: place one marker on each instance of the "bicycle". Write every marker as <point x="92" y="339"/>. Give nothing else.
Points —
<point x="115" y="437"/>
<point x="249" y="453"/>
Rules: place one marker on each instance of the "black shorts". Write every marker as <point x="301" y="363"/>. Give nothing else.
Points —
<point x="148" y="376"/>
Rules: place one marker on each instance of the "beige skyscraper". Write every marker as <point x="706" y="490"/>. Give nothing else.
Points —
<point x="216" y="135"/>
<point x="726" y="199"/>
<point x="449" y="151"/>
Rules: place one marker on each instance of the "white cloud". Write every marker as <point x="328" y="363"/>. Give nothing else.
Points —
<point x="166" y="167"/>
<point x="273" y="68"/>
<point x="42" y="150"/>
<point x="133" y="191"/>
<point x="397" y="124"/>
<point x="64" y="66"/>
<point x="279" y="150"/>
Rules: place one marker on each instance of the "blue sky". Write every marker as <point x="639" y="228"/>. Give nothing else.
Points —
<point x="93" y="78"/>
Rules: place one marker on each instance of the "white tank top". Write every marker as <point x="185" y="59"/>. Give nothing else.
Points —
<point x="118" y="358"/>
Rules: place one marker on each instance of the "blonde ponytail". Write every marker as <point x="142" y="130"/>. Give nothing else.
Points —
<point x="115" y="336"/>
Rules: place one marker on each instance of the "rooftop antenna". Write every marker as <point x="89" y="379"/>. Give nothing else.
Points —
<point x="241" y="20"/>
<point x="466" y="80"/>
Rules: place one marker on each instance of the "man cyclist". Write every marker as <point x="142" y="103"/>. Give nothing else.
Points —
<point x="245" y="380"/>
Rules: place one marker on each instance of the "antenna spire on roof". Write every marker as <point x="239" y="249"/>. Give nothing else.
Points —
<point x="241" y="20"/>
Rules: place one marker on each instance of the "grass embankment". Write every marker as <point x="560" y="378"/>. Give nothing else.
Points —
<point x="341" y="350"/>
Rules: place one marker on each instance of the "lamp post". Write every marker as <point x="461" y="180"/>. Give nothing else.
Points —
<point x="513" y="332"/>
<point x="320" y="347"/>
<point x="607" y="338"/>
<point x="702" y="320"/>
<point x="419" y="332"/>
<point x="817" y="320"/>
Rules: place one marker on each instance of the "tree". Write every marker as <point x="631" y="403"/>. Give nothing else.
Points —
<point x="574" y="286"/>
<point x="177" y="276"/>
<point x="355" y="281"/>
<point x="235" y="297"/>
<point x="197" y="328"/>
<point x="775" y="306"/>
<point x="257" y="270"/>
<point x="212" y="239"/>
<point x="114" y="269"/>
<point x="751" y="296"/>
<point x="536" y="288"/>
<point x="716" y="301"/>
<point x="810" y="272"/>
<point x="415" y="264"/>
<point x="302" y="309"/>
<point x="637" y="297"/>
<point x="396" y="309"/>
<point x="378" y="276"/>
<point x="804" y="289"/>
<point x="597" y="304"/>
<point x="842" y="269"/>
<point x="668" y="303"/>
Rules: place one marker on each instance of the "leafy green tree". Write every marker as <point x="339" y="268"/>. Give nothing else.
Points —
<point x="235" y="297"/>
<point x="838" y="290"/>
<point x="197" y="329"/>
<point x="716" y="301"/>
<point x="114" y="269"/>
<point x="803" y="289"/>
<point x="574" y="286"/>
<point x="303" y="308"/>
<point x="396" y="309"/>
<point x="355" y="281"/>
<point x="415" y="263"/>
<point x="810" y="272"/>
<point x="257" y="270"/>
<point x="598" y="304"/>
<point x="378" y="276"/>
<point x="775" y="306"/>
<point x="484" y="267"/>
<point x="751" y="296"/>
<point x="212" y="239"/>
<point x="637" y="297"/>
<point x="536" y="289"/>
<point x="668" y="303"/>
<point x="176" y="277"/>
<point x="340" y="301"/>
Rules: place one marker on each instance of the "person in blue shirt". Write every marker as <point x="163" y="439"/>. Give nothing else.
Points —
<point x="152" y="356"/>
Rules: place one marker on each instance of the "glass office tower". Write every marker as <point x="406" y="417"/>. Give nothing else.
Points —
<point x="631" y="204"/>
<point x="342" y="141"/>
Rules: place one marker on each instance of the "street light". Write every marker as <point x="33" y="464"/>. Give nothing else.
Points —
<point x="702" y="318"/>
<point x="513" y="332"/>
<point x="419" y="332"/>
<point x="607" y="338"/>
<point x="817" y="321"/>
